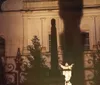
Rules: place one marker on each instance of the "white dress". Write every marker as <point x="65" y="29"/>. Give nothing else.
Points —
<point x="67" y="74"/>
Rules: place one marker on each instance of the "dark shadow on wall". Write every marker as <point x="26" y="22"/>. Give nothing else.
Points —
<point x="71" y="14"/>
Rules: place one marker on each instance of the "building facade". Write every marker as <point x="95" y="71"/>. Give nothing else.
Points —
<point x="19" y="23"/>
<point x="20" y="20"/>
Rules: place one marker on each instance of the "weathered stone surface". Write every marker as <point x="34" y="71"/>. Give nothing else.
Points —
<point x="12" y="5"/>
<point x="46" y="4"/>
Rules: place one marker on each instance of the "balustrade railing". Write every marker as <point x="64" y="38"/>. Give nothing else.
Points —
<point x="14" y="73"/>
<point x="10" y="70"/>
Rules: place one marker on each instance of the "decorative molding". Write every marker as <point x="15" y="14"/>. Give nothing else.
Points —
<point x="40" y="5"/>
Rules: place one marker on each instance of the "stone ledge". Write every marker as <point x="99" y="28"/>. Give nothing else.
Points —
<point x="40" y="5"/>
<point x="50" y="5"/>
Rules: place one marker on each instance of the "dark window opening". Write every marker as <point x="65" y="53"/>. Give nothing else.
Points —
<point x="49" y="42"/>
<point x="85" y="40"/>
<point x="2" y="46"/>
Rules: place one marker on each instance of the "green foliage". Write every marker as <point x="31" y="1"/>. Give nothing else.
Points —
<point x="35" y="51"/>
<point x="38" y="69"/>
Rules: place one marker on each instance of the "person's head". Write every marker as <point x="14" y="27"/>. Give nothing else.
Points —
<point x="66" y="64"/>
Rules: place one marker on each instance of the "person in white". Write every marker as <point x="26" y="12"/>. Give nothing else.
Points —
<point x="67" y="72"/>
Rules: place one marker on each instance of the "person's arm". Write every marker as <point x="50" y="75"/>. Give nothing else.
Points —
<point x="70" y="67"/>
<point x="64" y="67"/>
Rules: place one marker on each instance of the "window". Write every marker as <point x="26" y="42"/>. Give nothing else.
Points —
<point x="2" y="46"/>
<point x="85" y="40"/>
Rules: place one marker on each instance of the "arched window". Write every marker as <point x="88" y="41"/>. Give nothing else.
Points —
<point x="2" y="46"/>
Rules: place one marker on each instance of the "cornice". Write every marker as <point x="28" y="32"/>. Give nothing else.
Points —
<point x="40" y="5"/>
<point x="55" y="13"/>
<point x="54" y="5"/>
